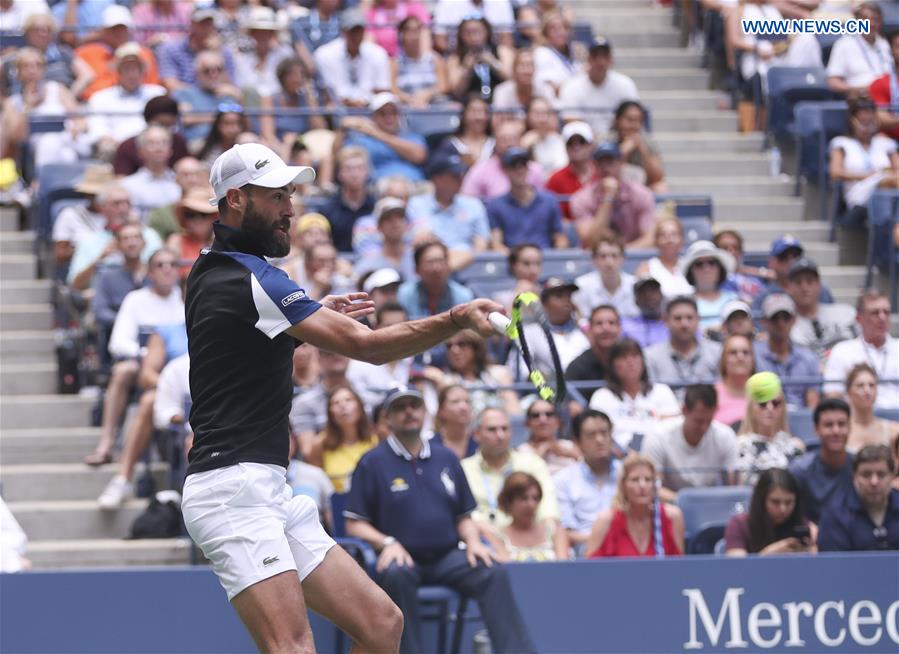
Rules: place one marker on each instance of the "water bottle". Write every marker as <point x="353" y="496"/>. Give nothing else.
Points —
<point x="774" y="161"/>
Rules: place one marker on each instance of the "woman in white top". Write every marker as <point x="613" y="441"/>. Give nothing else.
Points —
<point x="864" y="427"/>
<point x="863" y="159"/>
<point x="665" y="268"/>
<point x="764" y="440"/>
<point x="543" y="137"/>
<point x="516" y="94"/>
<point x="40" y="97"/>
<point x="559" y="57"/>
<point x="636" y="406"/>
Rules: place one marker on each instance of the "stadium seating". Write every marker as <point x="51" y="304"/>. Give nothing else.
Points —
<point x="55" y="182"/>
<point x="786" y="88"/>
<point x="803" y="428"/>
<point x="816" y="124"/>
<point x="883" y="213"/>
<point x="707" y="510"/>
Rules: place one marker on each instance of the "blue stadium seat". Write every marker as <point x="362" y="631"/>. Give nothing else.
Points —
<point x="438" y="601"/>
<point x="883" y="213"/>
<point x="826" y="41"/>
<point x="519" y="430"/>
<point x="887" y="414"/>
<point x="582" y="32"/>
<point x="434" y="124"/>
<point x="486" y="265"/>
<point x="803" y="428"/>
<point x="566" y="263"/>
<point x="786" y="88"/>
<point x="696" y="229"/>
<point x="633" y="258"/>
<point x="816" y="124"/>
<point x="710" y="507"/>
<point x="688" y="206"/>
<point x="890" y="16"/>
<point x="10" y="39"/>
<point x="55" y="182"/>
<point x="488" y="287"/>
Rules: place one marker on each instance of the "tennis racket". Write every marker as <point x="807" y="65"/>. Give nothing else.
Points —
<point x="529" y="331"/>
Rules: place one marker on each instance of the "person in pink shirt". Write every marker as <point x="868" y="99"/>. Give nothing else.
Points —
<point x="486" y="179"/>
<point x="384" y="16"/>
<point x="737" y="366"/>
<point x="157" y="21"/>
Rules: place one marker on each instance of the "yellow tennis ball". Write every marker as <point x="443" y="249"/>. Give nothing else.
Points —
<point x="763" y="387"/>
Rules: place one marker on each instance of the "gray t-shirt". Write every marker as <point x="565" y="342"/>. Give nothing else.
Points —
<point x="683" y="466"/>
<point x="834" y="323"/>
<point x="667" y="366"/>
<point x="309" y="410"/>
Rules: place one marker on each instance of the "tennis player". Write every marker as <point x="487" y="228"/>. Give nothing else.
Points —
<point x="244" y="319"/>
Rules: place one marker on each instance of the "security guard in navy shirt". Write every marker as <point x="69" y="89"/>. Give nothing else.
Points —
<point x="410" y="500"/>
<point x="244" y="319"/>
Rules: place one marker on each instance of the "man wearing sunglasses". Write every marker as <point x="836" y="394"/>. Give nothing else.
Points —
<point x="210" y="92"/>
<point x="868" y="517"/>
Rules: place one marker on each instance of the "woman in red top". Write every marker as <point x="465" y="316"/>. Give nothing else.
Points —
<point x="632" y="526"/>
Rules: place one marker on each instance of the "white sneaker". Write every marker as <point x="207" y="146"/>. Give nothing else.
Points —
<point x="116" y="492"/>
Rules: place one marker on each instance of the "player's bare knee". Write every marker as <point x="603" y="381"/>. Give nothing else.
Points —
<point x="385" y="629"/>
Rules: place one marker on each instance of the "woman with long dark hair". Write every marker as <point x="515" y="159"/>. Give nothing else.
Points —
<point x="640" y="154"/>
<point x="737" y="365"/>
<point x="477" y="65"/>
<point x="417" y="73"/>
<point x="229" y="123"/>
<point x="775" y="523"/>
<point x="347" y="435"/>
<point x="452" y="424"/>
<point x="635" y="405"/>
<point x="473" y="140"/>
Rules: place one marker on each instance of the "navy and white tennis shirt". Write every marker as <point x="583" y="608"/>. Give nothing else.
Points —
<point x="241" y="360"/>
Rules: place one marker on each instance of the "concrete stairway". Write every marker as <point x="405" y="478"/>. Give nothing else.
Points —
<point x="44" y="436"/>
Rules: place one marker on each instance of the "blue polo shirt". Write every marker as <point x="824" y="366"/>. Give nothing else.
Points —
<point x="643" y="330"/>
<point x="343" y="217"/>
<point x="535" y="223"/>
<point x="385" y="161"/>
<point x="800" y="363"/>
<point x="820" y="484"/>
<point x="417" y="500"/>
<point x="847" y="527"/>
<point x="412" y="296"/>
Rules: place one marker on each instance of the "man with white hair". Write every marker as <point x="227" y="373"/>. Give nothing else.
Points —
<point x="153" y="185"/>
<point x="199" y="101"/>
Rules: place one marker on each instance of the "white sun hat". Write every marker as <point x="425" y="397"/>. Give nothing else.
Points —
<point x="253" y="163"/>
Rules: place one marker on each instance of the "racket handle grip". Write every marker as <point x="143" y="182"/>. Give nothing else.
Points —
<point x="499" y="322"/>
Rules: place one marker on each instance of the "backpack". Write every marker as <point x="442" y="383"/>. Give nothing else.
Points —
<point x="159" y="520"/>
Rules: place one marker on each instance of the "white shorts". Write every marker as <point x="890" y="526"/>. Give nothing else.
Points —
<point x="248" y="524"/>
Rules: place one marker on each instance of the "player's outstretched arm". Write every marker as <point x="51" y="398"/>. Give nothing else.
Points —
<point x="336" y="332"/>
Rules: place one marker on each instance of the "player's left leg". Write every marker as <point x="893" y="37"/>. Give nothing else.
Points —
<point x="339" y="590"/>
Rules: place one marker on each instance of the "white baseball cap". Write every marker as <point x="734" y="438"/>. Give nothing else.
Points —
<point x="253" y="163"/>
<point x="381" y="278"/>
<point x="116" y="15"/>
<point x="577" y="128"/>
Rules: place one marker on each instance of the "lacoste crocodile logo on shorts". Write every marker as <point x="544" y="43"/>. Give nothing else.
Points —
<point x="269" y="560"/>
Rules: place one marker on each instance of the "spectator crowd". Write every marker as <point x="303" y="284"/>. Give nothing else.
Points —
<point x="438" y="134"/>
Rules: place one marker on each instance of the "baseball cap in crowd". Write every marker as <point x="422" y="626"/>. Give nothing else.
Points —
<point x="381" y="278"/>
<point x="734" y="306"/>
<point x="763" y="387"/>
<point x="577" y="128"/>
<point x="446" y="164"/>
<point x="608" y="149"/>
<point x="645" y="280"/>
<point x="386" y="205"/>
<point x="513" y="156"/>
<point x="253" y="163"/>
<point x="202" y="12"/>
<point x="600" y="44"/>
<point x="785" y="243"/>
<point x="351" y="18"/>
<point x="96" y="176"/>
<point x="554" y="284"/>
<point x="262" y="18"/>
<point x="401" y="392"/>
<point x="778" y="303"/>
<point x="115" y="15"/>
<point x="130" y="50"/>
<point x="382" y="99"/>
<point x="802" y="264"/>
<point x="311" y="220"/>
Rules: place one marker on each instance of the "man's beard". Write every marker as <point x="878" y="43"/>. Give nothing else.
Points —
<point x="263" y="236"/>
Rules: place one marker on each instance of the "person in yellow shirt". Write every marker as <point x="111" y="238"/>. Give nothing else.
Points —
<point x="495" y="460"/>
<point x="347" y="435"/>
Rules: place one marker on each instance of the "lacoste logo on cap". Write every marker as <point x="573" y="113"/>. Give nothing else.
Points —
<point x="269" y="560"/>
<point x="262" y="163"/>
